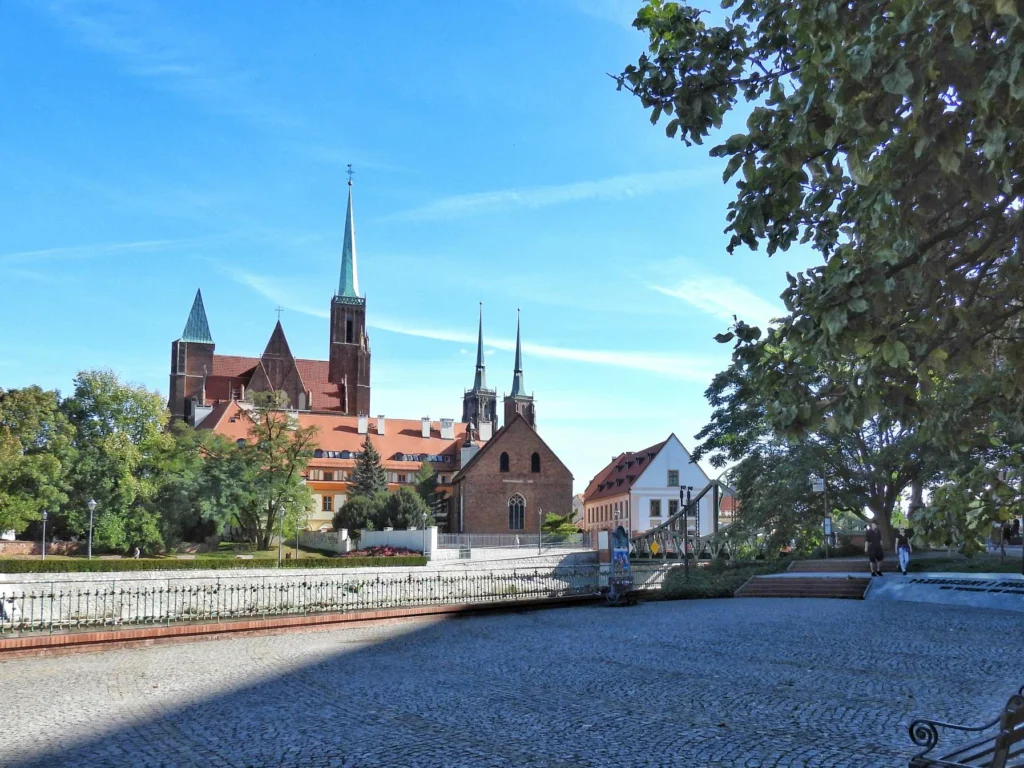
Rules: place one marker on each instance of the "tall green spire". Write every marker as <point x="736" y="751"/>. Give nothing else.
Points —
<point x="518" y="389"/>
<point x="480" y="381"/>
<point x="197" y="329"/>
<point x="348" y="285"/>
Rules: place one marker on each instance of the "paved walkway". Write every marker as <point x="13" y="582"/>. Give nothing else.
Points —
<point x="705" y="683"/>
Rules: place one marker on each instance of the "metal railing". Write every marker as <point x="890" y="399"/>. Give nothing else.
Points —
<point x="581" y="540"/>
<point x="55" y="607"/>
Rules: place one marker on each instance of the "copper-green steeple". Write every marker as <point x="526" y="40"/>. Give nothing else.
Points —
<point x="348" y="285"/>
<point x="518" y="388"/>
<point x="197" y="329"/>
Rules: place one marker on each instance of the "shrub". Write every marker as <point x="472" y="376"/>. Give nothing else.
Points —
<point x="717" y="581"/>
<point x="105" y="566"/>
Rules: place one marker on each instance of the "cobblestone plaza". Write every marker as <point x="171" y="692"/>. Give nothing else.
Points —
<point x="724" y="683"/>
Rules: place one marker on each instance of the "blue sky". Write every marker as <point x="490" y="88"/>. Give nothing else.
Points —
<point x="152" y="148"/>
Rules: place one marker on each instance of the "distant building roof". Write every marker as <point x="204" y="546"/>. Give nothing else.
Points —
<point x="620" y="473"/>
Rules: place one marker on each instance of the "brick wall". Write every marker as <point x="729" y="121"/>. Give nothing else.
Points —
<point x="485" y="491"/>
<point x="8" y="548"/>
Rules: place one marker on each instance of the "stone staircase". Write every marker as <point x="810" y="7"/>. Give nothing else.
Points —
<point x="852" y="588"/>
<point x="842" y="565"/>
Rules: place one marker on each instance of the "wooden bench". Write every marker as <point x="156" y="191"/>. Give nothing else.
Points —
<point x="1001" y="747"/>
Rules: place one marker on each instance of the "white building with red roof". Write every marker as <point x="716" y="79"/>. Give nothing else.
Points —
<point x="639" y="490"/>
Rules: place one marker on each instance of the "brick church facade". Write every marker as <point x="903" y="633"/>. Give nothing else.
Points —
<point x="212" y="391"/>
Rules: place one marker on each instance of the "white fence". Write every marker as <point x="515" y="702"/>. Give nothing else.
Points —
<point x="423" y="540"/>
<point x="581" y="540"/>
<point x="327" y="541"/>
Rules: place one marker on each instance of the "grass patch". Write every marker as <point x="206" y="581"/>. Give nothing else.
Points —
<point x="9" y="565"/>
<point x="720" y="579"/>
<point x="977" y="564"/>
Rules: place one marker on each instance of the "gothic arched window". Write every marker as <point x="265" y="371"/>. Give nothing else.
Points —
<point x="535" y="462"/>
<point x="516" y="513"/>
<point x="503" y="463"/>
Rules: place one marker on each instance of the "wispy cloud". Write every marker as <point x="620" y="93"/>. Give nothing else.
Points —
<point x="85" y="251"/>
<point x="618" y="12"/>
<point x="147" y="47"/>
<point x="684" y="367"/>
<point x="613" y="188"/>
<point x="672" y="365"/>
<point x="724" y="298"/>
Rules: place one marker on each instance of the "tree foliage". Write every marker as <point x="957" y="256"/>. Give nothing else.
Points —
<point x="889" y="136"/>
<point x="404" y="509"/>
<point x="369" y="477"/>
<point x="426" y="482"/>
<point x="119" y="441"/>
<point x="36" y="455"/>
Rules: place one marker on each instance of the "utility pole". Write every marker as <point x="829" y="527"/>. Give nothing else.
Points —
<point x="540" y="529"/>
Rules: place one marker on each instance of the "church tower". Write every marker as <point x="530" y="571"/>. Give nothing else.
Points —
<point x="191" y="362"/>
<point x="517" y="401"/>
<point x="480" y="404"/>
<point x="349" y="364"/>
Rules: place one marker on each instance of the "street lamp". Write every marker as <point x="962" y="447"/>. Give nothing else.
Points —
<point x="686" y="527"/>
<point x="280" y="535"/>
<point x="44" y="533"/>
<point x="91" y="504"/>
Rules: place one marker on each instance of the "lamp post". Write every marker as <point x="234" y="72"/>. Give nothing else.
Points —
<point x="44" y="533"/>
<point x="540" y="529"/>
<point x="91" y="504"/>
<point x="686" y="527"/>
<point x="280" y="535"/>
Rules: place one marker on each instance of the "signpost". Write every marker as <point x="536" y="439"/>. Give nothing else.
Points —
<point x="818" y="486"/>
<point x="620" y="578"/>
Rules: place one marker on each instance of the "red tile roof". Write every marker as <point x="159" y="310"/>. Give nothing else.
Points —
<point x="620" y="474"/>
<point x="231" y="372"/>
<point x="341" y="433"/>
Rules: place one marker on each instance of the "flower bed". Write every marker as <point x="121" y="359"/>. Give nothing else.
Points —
<point x="382" y="552"/>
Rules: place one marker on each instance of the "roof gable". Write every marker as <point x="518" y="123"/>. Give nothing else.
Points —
<point x="622" y="472"/>
<point x="496" y="439"/>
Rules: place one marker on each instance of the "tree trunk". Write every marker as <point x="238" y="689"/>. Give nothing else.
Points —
<point x="884" y="523"/>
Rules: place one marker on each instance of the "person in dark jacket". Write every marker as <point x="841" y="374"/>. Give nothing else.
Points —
<point x="873" y="548"/>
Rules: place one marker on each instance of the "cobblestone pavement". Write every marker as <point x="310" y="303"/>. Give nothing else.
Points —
<point x="706" y="683"/>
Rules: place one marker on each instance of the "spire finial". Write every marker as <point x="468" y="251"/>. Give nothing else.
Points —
<point x="350" y="173"/>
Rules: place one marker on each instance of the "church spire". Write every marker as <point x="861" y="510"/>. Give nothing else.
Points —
<point x="348" y="285"/>
<point x="518" y="389"/>
<point x="197" y="329"/>
<point x="480" y="381"/>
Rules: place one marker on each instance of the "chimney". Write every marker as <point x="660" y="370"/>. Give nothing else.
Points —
<point x="447" y="429"/>
<point x="362" y="425"/>
<point x="425" y="428"/>
<point x="380" y="425"/>
<point x="486" y="430"/>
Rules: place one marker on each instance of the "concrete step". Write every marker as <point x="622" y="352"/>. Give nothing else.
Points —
<point x="841" y="565"/>
<point x="768" y="586"/>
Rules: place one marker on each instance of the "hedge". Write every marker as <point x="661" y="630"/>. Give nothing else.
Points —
<point x="718" y="580"/>
<point x="148" y="564"/>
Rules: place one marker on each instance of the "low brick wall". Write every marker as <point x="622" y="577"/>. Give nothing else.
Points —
<point x="8" y="548"/>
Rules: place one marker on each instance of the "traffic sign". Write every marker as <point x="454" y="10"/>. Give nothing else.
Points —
<point x="655" y="548"/>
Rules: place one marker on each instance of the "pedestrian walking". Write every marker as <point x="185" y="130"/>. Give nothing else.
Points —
<point x="1004" y="538"/>
<point x="873" y="548"/>
<point x="903" y="549"/>
<point x="137" y="554"/>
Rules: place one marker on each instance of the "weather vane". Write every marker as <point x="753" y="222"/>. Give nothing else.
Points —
<point x="350" y="173"/>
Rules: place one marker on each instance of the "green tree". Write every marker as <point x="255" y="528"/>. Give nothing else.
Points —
<point x="357" y="513"/>
<point x="404" y="509"/>
<point x="270" y="465"/>
<point x="868" y="466"/>
<point x="890" y="137"/>
<point x="369" y="477"/>
<point x="35" y="456"/>
<point x="178" y="501"/>
<point x="559" y="525"/>
<point x="120" y="442"/>
<point x="426" y="482"/>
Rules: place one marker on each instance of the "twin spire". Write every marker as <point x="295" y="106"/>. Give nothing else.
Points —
<point x="480" y="380"/>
